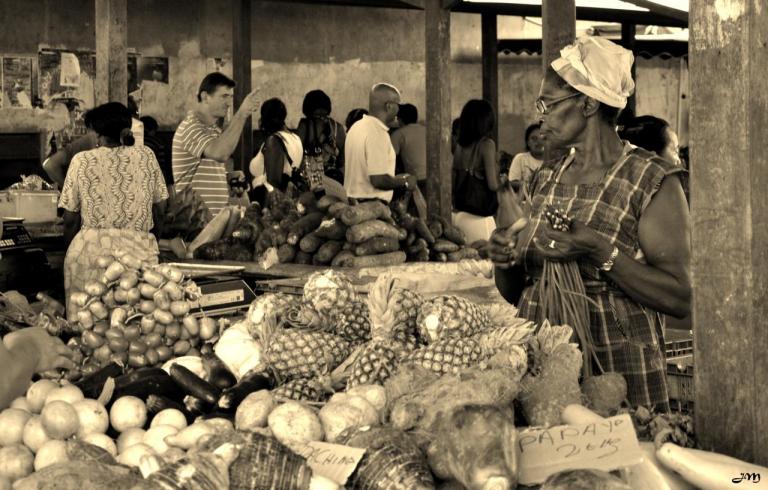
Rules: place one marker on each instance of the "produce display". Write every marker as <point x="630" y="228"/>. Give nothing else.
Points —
<point x="138" y="315"/>
<point x="304" y="230"/>
<point x="433" y="388"/>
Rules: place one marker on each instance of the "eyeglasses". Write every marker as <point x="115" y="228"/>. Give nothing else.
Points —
<point x="543" y="107"/>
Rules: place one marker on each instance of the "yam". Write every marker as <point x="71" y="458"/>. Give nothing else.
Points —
<point x="450" y="231"/>
<point x="310" y="243"/>
<point x="421" y="256"/>
<point x="436" y="228"/>
<point x="445" y="246"/>
<point x="366" y="211"/>
<point x="332" y="229"/>
<point x="439" y="257"/>
<point x="303" y="258"/>
<point x="304" y="226"/>
<point x="391" y="258"/>
<point x="336" y="209"/>
<point x="327" y="252"/>
<point x="307" y="203"/>
<point x="343" y="258"/>
<point x="418" y="246"/>
<point x="370" y="229"/>
<point x="410" y="239"/>
<point x="286" y="253"/>
<point x="326" y="202"/>
<point x="377" y="245"/>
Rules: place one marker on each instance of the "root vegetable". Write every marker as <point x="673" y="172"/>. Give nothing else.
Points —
<point x="147" y="291"/>
<point x="130" y="261"/>
<point x="147" y="306"/>
<point x="359" y="233"/>
<point x="129" y="280"/>
<point x="147" y="324"/>
<point x="367" y="211"/>
<point x="133" y="296"/>
<point x="153" y="278"/>
<point x="162" y="316"/>
<point x="79" y="298"/>
<point x="293" y="422"/>
<point x="99" y="310"/>
<point x="117" y="318"/>
<point x="161" y="300"/>
<point x="253" y="411"/>
<point x="85" y="318"/>
<point x="207" y="328"/>
<point x="95" y="288"/>
<point x="191" y="324"/>
<point x="336" y="417"/>
<point x="114" y="271"/>
<point x="131" y="332"/>
<point x="174" y="291"/>
<point x="121" y="295"/>
<point x="181" y="347"/>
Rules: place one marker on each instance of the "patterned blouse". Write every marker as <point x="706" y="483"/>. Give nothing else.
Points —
<point x="114" y="187"/>
<point x="628" y="336"/>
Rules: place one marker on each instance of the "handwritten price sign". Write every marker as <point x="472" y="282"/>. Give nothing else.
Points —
<point x="605" y="445"/>
<point x="332" y="461"/>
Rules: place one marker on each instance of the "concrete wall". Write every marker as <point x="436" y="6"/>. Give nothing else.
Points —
<point x="297" y="48"/>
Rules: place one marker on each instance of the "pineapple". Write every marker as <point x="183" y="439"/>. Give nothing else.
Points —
<point x="277" y="304"/>
<point x="296" y="353"/>
<point x="451" y="316"/>
<point x="186" y="215"/>
<point x="500" y="346"/>
<point x="354" y="323"/>
<point x="378" y="359"/>
<point x="304" y="389"/>
<point x="407" y="305"/>
<point x="328" y="293"/>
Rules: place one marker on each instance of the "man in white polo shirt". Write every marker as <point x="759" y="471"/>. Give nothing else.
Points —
<point x="201" y="148"/>
<point x="369" y="159"/>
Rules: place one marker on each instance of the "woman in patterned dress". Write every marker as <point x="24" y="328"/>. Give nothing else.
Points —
<point x="631" y="233"/>
<point x="111" y="200"/>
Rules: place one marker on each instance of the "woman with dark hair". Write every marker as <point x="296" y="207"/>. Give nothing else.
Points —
<point x="111" y="198"/>
<point x="354" y="116"/>
<point x="653" y="134"/>
<point x="526" y="164"/>
<point x="323" y="139"/>
<point x="280" y="154"/>
<point x="629" y="239"/>
<point x="475" y="172"/>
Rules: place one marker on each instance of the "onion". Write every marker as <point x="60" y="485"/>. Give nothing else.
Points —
<point x="134" y="296"/>
<point x="163" y="316"/>
<point x="85" y="318"/>
<point x="130" y="261"/>
<point x="129" y="280"/>
<point x="153" y="277"/>
<point x="161" y="300"/>
<point x="98" y="309"/>
<point x="192" y="326"/>
<point x="174" y="291"/>
<point x="179" y="308"/>
<point x="147" y="290"/>
<point x="95" y="288"/>
<point x="114" y="271"/>
<point x="207" y="328"/>
<point x="147" y="306"/>
<point x="79" y="298"/>
<point x="118" y="317"/>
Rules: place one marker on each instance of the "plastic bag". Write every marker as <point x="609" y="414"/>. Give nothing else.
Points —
<point x="477" y="446"/>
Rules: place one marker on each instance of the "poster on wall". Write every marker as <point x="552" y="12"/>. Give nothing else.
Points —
<point x="153" y="69"/>
<point x="16" y="82"/>
<point x="58" y="80"/>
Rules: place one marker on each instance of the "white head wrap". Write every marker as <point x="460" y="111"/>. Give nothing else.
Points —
<point x="598" y="68"/>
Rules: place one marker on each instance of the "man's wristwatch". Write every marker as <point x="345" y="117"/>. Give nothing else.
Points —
<point x="608" y="264"/>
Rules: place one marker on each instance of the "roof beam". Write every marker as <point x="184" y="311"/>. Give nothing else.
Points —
<point x="661" y="9"/>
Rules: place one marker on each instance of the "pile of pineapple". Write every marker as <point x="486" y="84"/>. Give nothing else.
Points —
<point x="332" y="337"/>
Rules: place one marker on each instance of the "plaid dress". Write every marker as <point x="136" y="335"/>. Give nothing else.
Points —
<point x="628" y="337"/>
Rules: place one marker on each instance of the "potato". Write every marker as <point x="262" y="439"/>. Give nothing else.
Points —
<point x="294" y="423"/>
<point x="337" y="416"/>
<point x="254" y="410"/>
<point x="376" y="395"/>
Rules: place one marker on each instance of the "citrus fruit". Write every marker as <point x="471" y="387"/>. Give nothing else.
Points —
<point x="155" y="437"/>
<point x="60" y="420"/>
<point x="34" y="435"/>
<point x="101" y="440"/>
<point x="128" y="412"/>
<point x="12" y="422"/>
<point x="132" y="456"/>
<point x="169" y="416"/>
<point x="51" y="453"/>
<point x="22" y="404"/>
<point x="16" y="462"/>
<point x="93" y="417"/>
<point x="129" y="438"/>
<point x="37" y="393"/>
<point x="70" y="394"/>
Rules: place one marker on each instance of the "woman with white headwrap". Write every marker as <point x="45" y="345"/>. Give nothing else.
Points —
<point x="631" y="231"/>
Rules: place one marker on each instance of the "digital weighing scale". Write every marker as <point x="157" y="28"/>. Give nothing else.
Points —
<point x="224" y="291"/>
<point x="24" y="266"/>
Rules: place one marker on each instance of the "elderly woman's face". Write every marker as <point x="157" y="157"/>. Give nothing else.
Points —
<point x="562" y="121"/>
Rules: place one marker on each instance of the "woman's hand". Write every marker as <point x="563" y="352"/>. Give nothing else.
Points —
<point x="564" y="246"/>
<point x="501" y="248"/>
<point x="50" y="352"/>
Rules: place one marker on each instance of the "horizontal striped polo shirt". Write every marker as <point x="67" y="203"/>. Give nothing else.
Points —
<point x="207" y="177"/>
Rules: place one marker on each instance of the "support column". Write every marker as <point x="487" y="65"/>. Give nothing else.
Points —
<point x="241" y="71"/>
<point x="558" y="25"/>
<point x="111" y="83"/>
<point x="729" y="208"/>
<point x="490" y="49"/>
<point x="628" y="32"/>
<point x="438" y="81"/>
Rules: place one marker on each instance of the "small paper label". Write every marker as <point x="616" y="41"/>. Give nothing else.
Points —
<point x="333" y="461"/>
<point x="606" y="445"/>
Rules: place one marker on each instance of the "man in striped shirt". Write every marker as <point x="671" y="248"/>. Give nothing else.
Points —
<point x="201" y="148"/>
